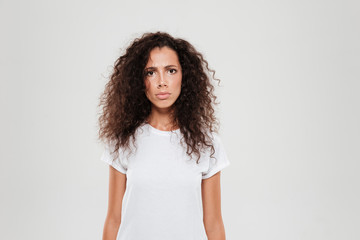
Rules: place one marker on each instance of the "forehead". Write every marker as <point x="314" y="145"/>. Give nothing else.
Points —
<point x="162" y="56"/>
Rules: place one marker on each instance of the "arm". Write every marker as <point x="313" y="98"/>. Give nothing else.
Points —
<point x="117" y="186"/>
<point x="211" y="199"/>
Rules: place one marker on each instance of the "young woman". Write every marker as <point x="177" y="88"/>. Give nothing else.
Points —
<point x="161" y="144"/>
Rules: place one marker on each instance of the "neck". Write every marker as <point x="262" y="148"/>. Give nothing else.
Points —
<point x="162" y="121"/>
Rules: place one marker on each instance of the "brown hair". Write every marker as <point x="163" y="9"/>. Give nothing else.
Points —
<point x="125" y="106"/>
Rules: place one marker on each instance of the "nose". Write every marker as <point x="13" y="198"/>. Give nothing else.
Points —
<point x="162" y="80"/>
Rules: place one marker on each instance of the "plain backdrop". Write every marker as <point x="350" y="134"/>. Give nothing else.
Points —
<point x="289" y="111"/>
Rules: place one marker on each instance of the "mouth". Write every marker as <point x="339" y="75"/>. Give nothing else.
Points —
<point x="163" y="96"/>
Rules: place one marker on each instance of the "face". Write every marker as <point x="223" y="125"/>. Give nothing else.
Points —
<point x="163" y="78"/>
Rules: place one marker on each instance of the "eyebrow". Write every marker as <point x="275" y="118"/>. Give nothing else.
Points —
<point x="168" y="66"/>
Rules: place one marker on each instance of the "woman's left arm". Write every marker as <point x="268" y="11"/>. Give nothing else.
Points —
<point x="211" y="199"/>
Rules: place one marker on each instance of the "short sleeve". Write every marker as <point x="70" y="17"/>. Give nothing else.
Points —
<point x="221" y="160"/>
<point x="108" y="157"/>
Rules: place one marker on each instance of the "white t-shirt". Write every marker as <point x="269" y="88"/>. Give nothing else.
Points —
<point x="162" y="200"/>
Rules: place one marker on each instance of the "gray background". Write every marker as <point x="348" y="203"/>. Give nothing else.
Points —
<point x="289" y="111"/>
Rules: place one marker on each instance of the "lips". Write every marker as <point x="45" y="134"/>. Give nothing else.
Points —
<point x="163" y="95"/>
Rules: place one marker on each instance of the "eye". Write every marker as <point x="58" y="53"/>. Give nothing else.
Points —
<point x="172" y="71"/>
<point x="149" y="73"/>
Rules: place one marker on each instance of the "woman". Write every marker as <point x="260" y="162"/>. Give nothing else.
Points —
<point x="162" y="145"/>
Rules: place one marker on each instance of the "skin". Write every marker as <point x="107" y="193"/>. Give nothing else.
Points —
<point x="211" y="199"/>
<point x="117" y="186"/>
<point x="164" y="74"/>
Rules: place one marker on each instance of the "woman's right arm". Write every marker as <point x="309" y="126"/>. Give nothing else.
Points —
<point x="117" y="186"/>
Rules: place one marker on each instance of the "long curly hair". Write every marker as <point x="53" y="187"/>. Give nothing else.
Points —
<point x="125" y="106"/>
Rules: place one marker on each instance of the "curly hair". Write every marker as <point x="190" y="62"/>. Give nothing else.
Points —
<point x="125" y="106"/>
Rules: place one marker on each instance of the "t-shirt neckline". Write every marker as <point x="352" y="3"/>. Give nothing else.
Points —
<point x="158" y="131"/>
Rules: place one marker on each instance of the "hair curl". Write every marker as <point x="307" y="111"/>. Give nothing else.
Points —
<point x="125" y="106"/>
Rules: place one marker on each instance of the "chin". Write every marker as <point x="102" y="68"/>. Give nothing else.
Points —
<point x="163" y="105"/>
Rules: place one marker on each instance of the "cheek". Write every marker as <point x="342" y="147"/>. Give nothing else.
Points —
<point x="178" y="82"/>
<point x="147" y="85"/>
<point x="149" y="89"/>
